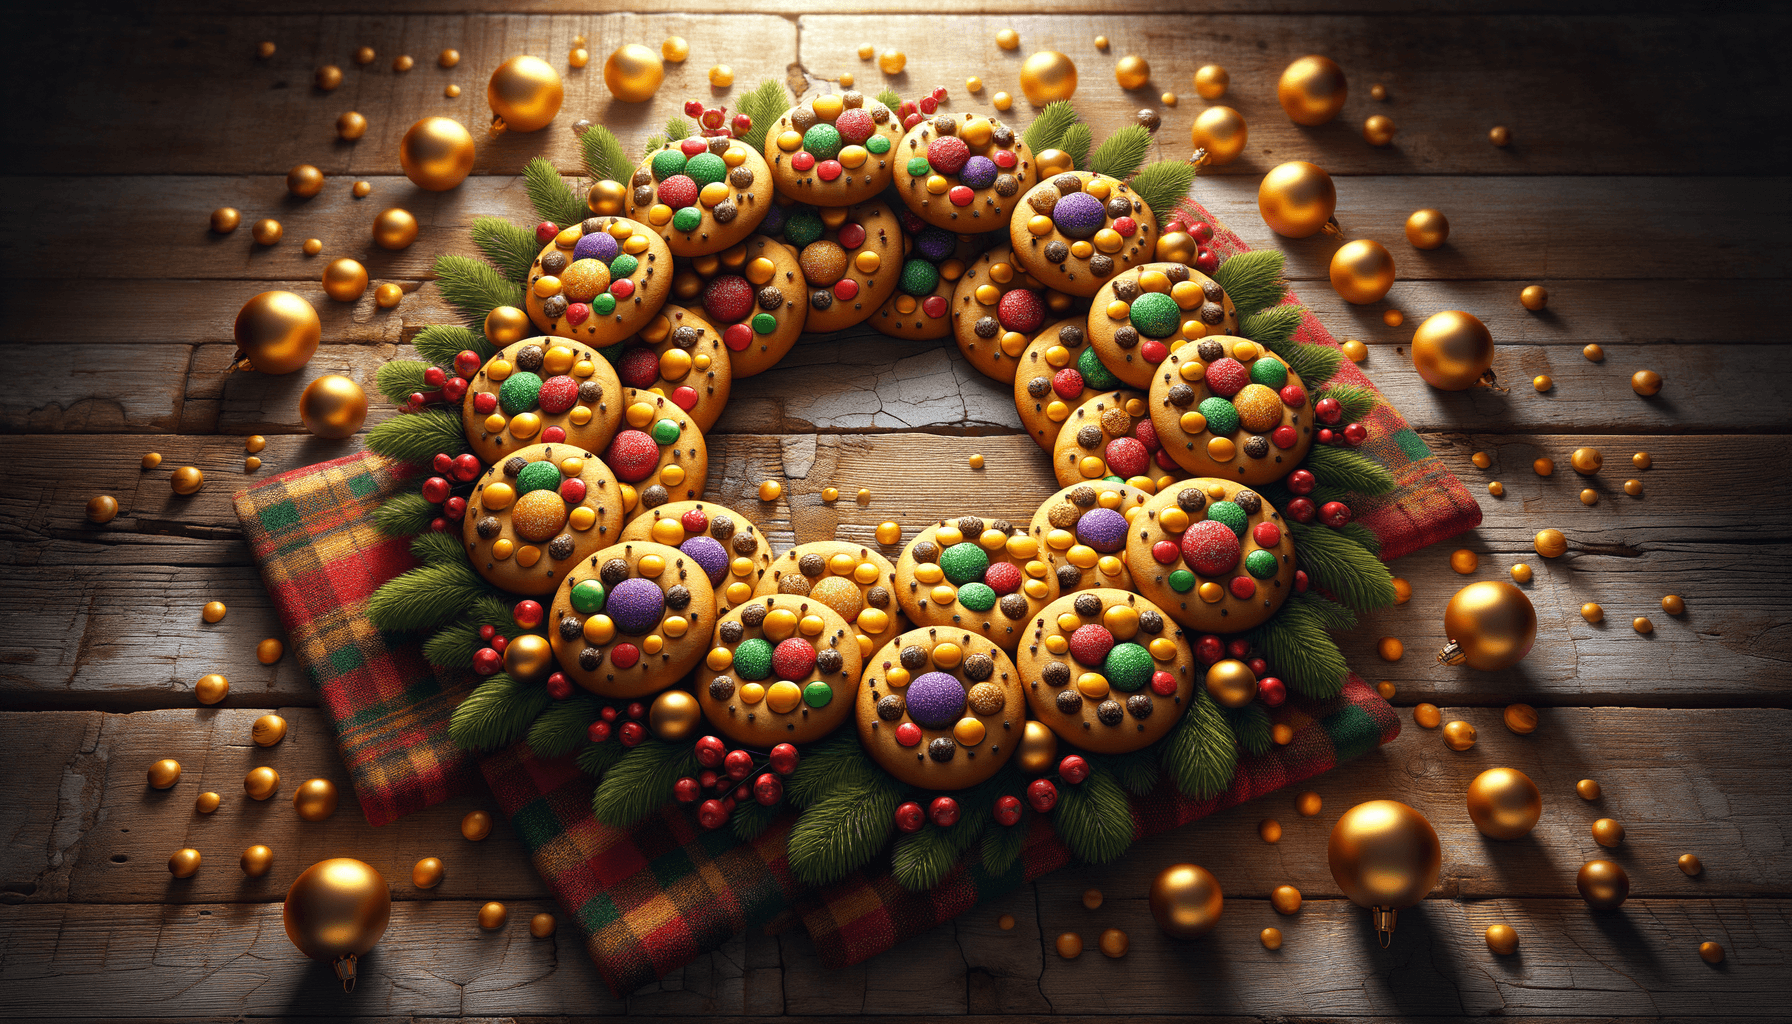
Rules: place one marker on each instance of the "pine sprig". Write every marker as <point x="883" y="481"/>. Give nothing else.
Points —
<point x="1315" y="364"/>
<point x="888" y="97"/>
<point x="549" y="194"/>
<point x="764" y="105"/>
<point x="1253" y="280"/>
<point x="452" y="646"/>
<point x="1352" y="471"/>
<point x="1094" y="819"/>
<point x="1273" y="327"/>
<point x="496" y="714"/>
<point x="1002" y="846"/>
<point x="597" y="758"/>
<point x="488" y="609"/>
<point x="404" y="514"/>
<point x="641" y="782"/>
<point x="1047" y="130"/>
<point x="418" y="436"/>
<point x="509" y="247"/>
<point x="603" y="154"/>
<point x="441" y="343"/>
<point x="1121" y="153"/>
<point x="1077" y="140"/>
<point x="424" y="597"/>
<point x="922" y="858"/>
<point x="1252" y="727"/>
<point x="677" y="129"/>
<point x="564" y="725"/>
<point x="474" y="286"/>
<point x="1198" y="754"/>
<point x="842" y="832"/>
<point x="1358" y="401"/>
<point x="397" y="378"/>
<point x="1363" y="536"/>
<point x="654" y="143"/>
<point x="839" y="762"/>
<point x="1341" y="567"/>
<point x="434" y="548"/>
<point x="1162" y="184"/>
<point x="1137" y="772"/>
<point x="1295" y="641"/>
<point x="751" y="819"/>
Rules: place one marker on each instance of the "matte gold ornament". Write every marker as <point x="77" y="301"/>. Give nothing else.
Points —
<point x="1604" y="884"/>
<point x="1296" y="199"/>
<point x="1378" y="130"/>
<point x="1052" y="162"/>
<point x="633" y="73"/>
<point x="345" y="280"/>
<point x="268" y="730"/>
<point x="394" y="229"/>
<point x="1132" y="72"/>
<point x="336" y="911"/>
<point x="211" y="688"/>
<point x="164" y="773"/>
<point x="184" y="863"/>
<point x="1220" y="131"/>
<point x="1038" y="750"/>
<point x="506" y="325"/>
<point x="333" y="407"/>
<point x="256" y="861"/>
<point x="436" y="153"/>
<point x="1047" y="76"/>
<point x="1490" y="625"/>
<point x="1504" y="803"/>
<point x="1384" y="856"/>
<point x="1427" y="228"/>
<point x="528" y="658"/>
<point x="674" y="716"/>
<point x="1231" y="683"/>
<point x="1186" y="901"/>
<point x="1453" y="351"/>
<point x="1362" y="271"/>
<point x="277" y="331"/>
<point x="606" y="198"/>
<point x="1312" y="90"/>
<point x="261" y="783"/>
<point x="315" y="799"/>
<point x="427" y="873"/>
<point x="1177" y="247"/>
<point x="525" y="93"/>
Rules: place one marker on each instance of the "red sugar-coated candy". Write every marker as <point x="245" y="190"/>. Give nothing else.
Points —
<point x="943" y="811"/>
<point x="639" y="367"/>
<point x="1127" y="456"/>
<point x="737" y="764"/>
<point x="1300" y="581"/>
<point x="728" y="298"/>
<point x="1227" y="376"/>
<point x="577" y="313"/>
<point x="487" y="632"/>
<point x="526" y="614"/>
<point x="485" y="403"/>
<point x="1126" y="226"/>
<point x="783" y="758"/>
<point x="1068" y="384"/>
<point x="802" y="160"/>
<point x="1042" y="796"/>
<point x="854" y="126"/>
<point x="1271" y="691"/>
<point x="828" y="170"/>
<point x="1302" y="510"/>
<point x="1335" y="514"/>
<point x="961" y="195"/>
<point x="910" y="817"/>
<point x="1243" y="587"/>
<point x="1073" y="769"/>
<point x="625" y="655"/>
<point x="559" y="687"/>
<point x="572" y="490"/>
<point x="455" y="508"/>
<point x="545" y="232"/>
<point x="1146" y="432"/>
<point x="1258" y="667"/>
<point x="1302" y="481"/>
<point x="948" y="154"/>
<point x="710" y="751"/>
<point x="622" y="288"/>
<point x="487" y="661"/>
<point x="910" y="120"/>
<point x="768" y="789"/>
<point x="1020" y="310"/>
<point x="553" y="435"/>
<point x="1323" y="435"/>
<point x="1202" y="231"/>
<point x="1355" y="434"/>
<point x="846" y="289"/>
<point x="632" y="456"/>
<point x="1284" y="437"/>
<point x="1328" y="410"/>
<point x="1163" y="459"/>
<point x="934" y="306"/>
<point x="908" y="734"/>
<point x="1007" y="810"/>
<point x="466" y="467"/>
<point x="1163" y="683"/>
<point x="793" y="658"/>
<point x="737" y="337"/>
<point x="678" y="191"/>
<point x="467" y="361"/>
<point x="1210" y="547"/>
<point x="1267" y="535"/>
<point x="1207" y="261"/>
<point x="1165" y="551"/>
<point x="1090" y="644"/>
<point x="436" y="490"/>
<point x="1210" y="649"/>
<point x="1154" y="351"/>
<point x="1238" y="648"/>
<point x="694" y="521"/>
<point x="686" y="790"/>
<point x="711" y="814"/>
<point x="851" y="235"/>
<point x="1002" y="577"/>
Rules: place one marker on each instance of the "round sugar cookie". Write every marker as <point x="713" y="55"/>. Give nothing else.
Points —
<point x="963" y="172"/>
<point x="541" y="390"/>
<point x="850" y="258"/>
<point x="1111" y="437"/>
<point x="754" y="294"/>
<point x="970" y="573"/>
<point x="941" y="708"/>
<point x="1230" y="408"/>
<point x="724" y="544"/>
<point x="1058" y="372"/>
<point x="632" y="619"/>
<point x="1143" y="314"/>
<point x="598" y="281"/>
<point x="658" y="455"/>
<point x="1107" y="671"/>
<point x="1077" y="230"/>
<point x="680" y="355"/>
<point x="1214" y="555"/>
<point x="782" y="669"/>
<point x="833" y="150"/>
<point x="701" y="194"/>
<point x="997" y="308"/>
<point x="1082" y="531"/>
<point x="531" y="517"/>
<point x="933" y="262"/>
<point x="856" y="582"/>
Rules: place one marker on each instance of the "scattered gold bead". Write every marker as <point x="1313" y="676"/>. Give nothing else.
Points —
<point x="492" y="916"/>
<point x="1641" y="460"/>
<point x="1402" y="590"/>
<point x="846" y="80"/>
<point x="1354" y="350"/>
<point x="1689" y="863"/>
<point x="1500" y="136"/>
<point x="427" y="873"/>
<point x="1101" y="42"/>
<point x="403" y="63"/>
<point x="1271" y="938"/>
<point x="261" y="783"/>
<point x="1544" y="466"/>
<point x="1070" y="945"/>
<point x="675" y="49"/>
<point x="1645" y="382"/>
<point x="1520" y="718"/>
<point x="578" y="58"/>
<point x="1378" y="130"/>
<point x="1132" y="71"/>
<point x="1534" y="297"/>
<point x="1542" y="383"/>
<point x="1550" y="543"/>
<point x="1521" y="573"/>
<point x="1286" y="900"/>
<point x="1711" y="952"/>
<point x="328" y="77"/>
<point x="1386" y="689"/>
<point x="1393" y="318"/>
<point x="1586" y="461"/>
<point x="102" y="508"/>
<point x="1427" y="716"/>
<point x="1464" y="561"/>
<point x="976" y="462"/>
<point x="225" y="219"/>
<point x="388" y="295"/>
<point x="1008" y="39"/>
<point x="1594" y="352"/>
<point x="1005" y="922"/>
<point x="542" y="925"/>
<point x="1114" y="943"/>
<point x="1378" y="92"/>
<point x="1592" y="612"/>
<point x="1673" y="604"/>
<point x="891" y="62"/>
<point x="315" y="799"/>
<point x="1481" y="460"/>
<point x="164" y="773"/>
<point x="973" y="84"/>
<point x="211" y="688"/>
<point x="267" y="231"/>
<point x="1587" y="789"/>
<point x="264" y="49"/>
<point x="268" y="730"/>
<point x="1588" y="496"/>
<point x="1002" y="101"/>
<point x="269" y="651"/>
<point x="364" y="55"/>
<point x="1308" y="804"/>
<point x="351" y="126"/>
<point x="1092" y="898"/>
<point x="888" y="533"/>
<point x="771" y="490"/>
<point x="184" y="863"/>
<point x="312" y="246"/>
<point x="213" y="611"/>
<point x="867" y="51"/>
<point x="251" y="464"/>
<point x="864" y="495"/>
<point x="1168" y="99"/>
<point x="476" y="825"/>
<point x="1269" y="830"/>
<point x="1211" y="82"/>
<point x="451" y="91"/>
<point x="254" y="443"/>
<point x="1459" y="736"/>
<point x="830" y="494"/>
<point x="721" y="76"/>
<point x="1495" y="488"/>
<point x="1642" y="625"/>
<point x="1608" y="832"/>
<point x="449" y="58"/>
<point x="1390" y="648"/>
<point x="1502" y="939"/>
<point x="1633" y="487"/>
<point x="209" y="802"/>
<point x="256" y="860"/>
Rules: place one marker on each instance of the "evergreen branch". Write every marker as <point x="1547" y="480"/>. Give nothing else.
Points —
<point x="549" y="194"/>
<point x="751" y="819"/>
<point x="1077" y="140"/>
<point x="677" y="129"/>
<point x="1121" y="153"/>
<point x="641" y="782"/>
<point x="596" y="759"/>
<point x="1253" y="280"/>
<point x="496" y="714"/>
<point x="842" y="832"/>
<point x="1351" y="471"/>
<point x="1002" y="846"/>
<point x="489" y="609"/>
<point x="1356" y="399"/>
<point x="1363" y="536"/>
<point x="564" y="725"/>
<point x="1314" y="364"/>
<point x="1273" y="327"/>
<point x="1047" y="130"/>
<point x="838" y="762"/>
<point x="397" y="378"/>
<point x="510" y="248"/>
<point x="1198" y="753"/>
<point x="1162" y="184"/>
<point x="1295" y="641"/>
<point x="603" y="154"/>
<point x="418" y="436"/>
<point x="1252" y="727"/>
<point x="1137" y="772"/>
<point x="1094" y="818"/>
<point x="475" y="287"/>
<point x="434" y="548"/>
<point x="764" y="105"/>
<point x="888" y="97"/>
<point x="654" y="143"/>
<point x="424" y="597"/>
<point x="922" y="858"/>
<point x="441" y="343"/>
<point x="1342" y="567"/>
<point x="452" y="646"/>
<point x="404" y="514"/>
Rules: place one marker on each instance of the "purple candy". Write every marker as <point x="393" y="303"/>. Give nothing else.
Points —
<point x="979" y="172"/>
<point x="1102" y="529"/>
<point x="935" y="244"/>
<point x="711" y="557"/>
<point x="635" y="606"/>
<point x="935" y="700"/>
<point x="773" y="223"/>
<point x="1079" y="215"/>
<point x="596" y="246"/>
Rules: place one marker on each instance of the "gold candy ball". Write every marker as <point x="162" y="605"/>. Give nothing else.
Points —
<point x="541" y="925"/>
<point x="212" y="688"/>
<point x="1271" y="938"/>
<point x="336" y="911"/>
<point x="164" y="773"/>
<point x="186" y="480"/>
<point x="1504" y="803"/>
<point x="1490" y="625"/>
<point x="427" y="873"/>
<point x="1362" y="271"/>
<point x="214" y="611"/>
<point x="606" y="198"/>
<point x="1231" y="683"/>
<point x="1286" y="900"/>
<point x="1521" y="719"/>
<point x="1378" y="130"/>
<point x="1452" y="350"/>
<point x="345" y="280"/>
<point x="394" y="229"/>
<point x="278" y="331"/>
<point x="1604" y="884"/>
<point x="1211" y="82"/>
<point x="268" y="730"/>
<point x="1114" y="943"/>
<point x="1038" y="750"/>
<point x="256" y="861"/>
<point x="1047" y="76"/>
<point x="1673" y="604"/>
<point x="1132" y="72"/>
<point x="1500" y="135"/>
<point x="184" y="863"/>
<point x="1689" y="864"/>
<point x="525" y="93"/>
<point x="476" y="825"/>
<point x="1550" y="543"/>
<point x="506" y="325"/>
<point x="722" y="76"/>
<point x="633" y="73"/>
<point x="492" y="916"/>
<point x="388" y="295"/>
<point x="1177" y="247"/>
<point x="1296" y="199"/>
<point x="1427" y="228"/>
<point x="268" y="651"/>
<point x="261" y="783"/>
<point x="1586" y="461"/>
<point x="1645" y="382"/>
<point x="1052" y="162"/>
<point x="312" y="246"/>
<point x="674" y="716"/>
<point x="102" y="508"/>
<point x="528" y="658"/>
<point x="1711" y="952"/>
<point x="315" y="799"/>
<point x="267" y="232"/>
<point x="1186" y="901"/>
<point x="1221" y="131"/>
<point x="1534" y="297"/>
<point x="892" y="61"/>
<point x="328" y="77"/>
<point x="225" y="219"/>
<point x="675" y="49"/>
<point x="1587" y="789"/>
<point x="333" y="407"/>
<point x="1312" y="90"/>
<point x="436" y="153"/>
<point x="1502" y="939"/>
<point x="305" y="181"/>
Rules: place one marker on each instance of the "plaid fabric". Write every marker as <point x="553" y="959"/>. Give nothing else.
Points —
<point x="321" y="557"/>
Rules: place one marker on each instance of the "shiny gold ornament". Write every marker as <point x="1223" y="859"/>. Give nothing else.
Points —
<point x="1550" y="543"/>
<point x="1711" y="952"/>
<point x="1354" y="350"/>
<point x="1586" y="461"/>
<point x="1038" y="750"/>
<point x="268" y="651"/>
<point x="225" y="220"/>
<point x="452" y="91"/>
<point x="436" y="153"/>
<point x="350" y="126"/>
<point x="1504" y="803"/>
<point x="578" y="57"/>
<point x="388" y="295"/>
<point x="1500" y="136"/>
<point x="214" y="611"/>
<point x="361" y="189"/>
<point x="1459" y="736"/>
<point x="164" y="773"/>
<point x="1604" y="884"/>
<point x="1296" y="199"/>
<point x="675" y="50"/>
<point x="207" y="802"/>
<point x="1608" y="832"/>
<point x="1222" y="133"/>
<point x="674" y="716"/>
<point x="277" y="331"/>
<point x="1384" y="856"/>
<point x="448" y="58"/>
<point x="1052" y="162"/>
<point x="1453" y="351"/>
<point x="606" y="198"/>
<point x="336" y="911"/>
<point x="1186" y="901"/>
<point x="186" y="480"/>
<point x="492" y="916"/>
<point x="211" y="688"/>
<point x="267" y="232"/>
<point x="1211" y="81"/>
<point x="102" y="508"/>
<point x="1231" y="683"/>
<point x="1308" y="804"/>
<point x="394" y="229"/>
<point x="1542" y="383"/>
<point x="315" y="799"/>
<point x="1645" y="382"/>
<point x="403" y="62"/>
<point x="1378" y="92"/>
<point x="1534" y="297"/>
<point x="1362" y="271"/>
<point x="1132" y="72"/>
<point x="1269" y="830"/>
<point x="1502" y="939"/>
<point x="184" y="863"/>
<point x="256" y="861"/>
<point x="268" y="730"/>
<point x="541" y="925"/>
<point x="1177" y="247"/>
<point x="427" y="873"/>
<point x="312" y="246"/>
<point x="345" y="280"/>
<point x="364" y="55"/>
<point x="1047" y="76"/>
<point x="333" y="407"/>
<point x="1587" y="789"/>
<point x="1427" y="228"/>
<point x="1689" y="864"/>
<point x="1490" y="625"/>
<point x="633" y="73"/>
<point x="1286" y="900"/>
<point x="525" y="93"/>
<point x="1312" y="90"/>
<point x="476" y="825"/>
<point x="1521" y="719"/>
<point x="261" y="783"/>
<point x="528" y="658"/>
<point x="1378" y="130"/>
<point x="506" y="325"/>
<point x="305" y="180"/>
<point x="328" y="77"/>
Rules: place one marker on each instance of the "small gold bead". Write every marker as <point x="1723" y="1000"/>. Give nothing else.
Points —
<point x="1592" y="612"/>
<point x="1521" y="573"/>
<point x="213" y="611"/>
<point x="313" y="246"/>
<point x="364" y="55"/>
<point x="770" y="490"/>
<point x="1542" y="383"/>
<point x="1500" y="136"/>
<point x="1594" y="352"/>
<point x="403" y="63"/>
<point x="1495" y="488"/>
<point x="1673" y="604"/>
<point x="1427" y="716"/>
<point x="264" y="49"/>
<point x="1587" y="789"/>
<point x="1642" y="625"/>
<point x="721" y="76"/>
<point x="976" y="462"/>
<point x="152" y="459"/>
<point x="449" y="58"/>
<point x="578" y="58"/>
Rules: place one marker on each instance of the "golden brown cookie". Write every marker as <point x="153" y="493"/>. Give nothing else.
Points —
<point x="783" y="669"/>
<point x="970" y="573"/>
<point x="919" y="312"/>
<point x="1111" y="437"/>
<point x="997" y="308"/>
<point x="726" y="545"/>
<point x="532" y="516"/>
<point x="680" y="355"/>
<point x="701" y="194"/>
<point x="1107" y="671"/>
<point x="658" y="455"/>
<point x="1211" y="553"/>
<point x="1231" y="408"/>
<point x="941" y="708"/>
<point x="1077" y="230"/>
<point x="1058" y="372"/>
<point x="1082" y="530"/>
<point x="833" y="150"/>
<point x="852" y="579"/>
<point x="541" y="390"/>
<point x="632" y="619"/>
<point x="850" y="258"/>
<point x="754" y="294"/>
<point x="599" y="281"/>
<point x="1145" y="313"/>
<point x="963" y="172"/>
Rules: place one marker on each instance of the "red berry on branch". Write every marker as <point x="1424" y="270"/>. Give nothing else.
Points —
<point x="1073" y="769"/>
<point x="499" y="642"/>
<point x="1328" y="410"/>
<point x="1257" y="666"/>
<point x="742" y="793"/>
<point x="487" y="632"/>
<point x="693" y="108"/>
<point x="434" y="376"/>
<point x="712" y="814"/>
<point x="1202" y="232"/>
<point x="1271" y="691"/>
<point x="943" y="811"/>
<point x="438" y="525"/>
<point x="467" y="361"/>
<point x="631" y="733"/>
<point x="1210" y="649"/>
<point x="466" y="467"/>
<point x="455" y="508"/>
<point x="741" y="125"/>
<point x="737" y="764"/>
<point x="485" y="403"/>
<point x="1007" y="810"/>
<point x="487" y="662"/>
<point x="608" y="713"/>
<point x="545" y="231"/>
<point x="436" y="490"/>
<point x="910" y="817"/>
<point x="1355" y="434"/>
<point x="728" y="804"/>
<point x="1042" y="796"/>
<point x="714" y="118"/>
<point x="768" y="789"/>
<point x="454" y="389"/>
<point x="783" y="759"/>
<point x="1207" y="261"/>
<point x="1302" y="510"/>
<point x="636" y="710"/>
<point x="686" y="790"/>
<point x="707" y="779"/>
<point x="710" y="751"/>
<point x="1324" y="435"/>
<point x="1238" y="648"/>
<point x="526" y="614"/>
<point x="1334" y="514"/>
<point x="559" y="687"/>
<point x="443" y="463"/>
<point x="598" y="732"/>
<point x="1300" y="581"/>
<point x="1302" y="481"/>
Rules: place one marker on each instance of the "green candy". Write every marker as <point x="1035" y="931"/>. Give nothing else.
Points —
<point x="519" y="392"/>
<point x="706" y="169"/>
<point x="978" y="597"/>
<point x="1155" y="314"/>
<point x="538" y="476"/>
<point x="604" y="304"/>
<point x="623" y="265"/>
<point x="919" y="277"/>
<point x="803" y="227"/>
<point x="1222" y="418"/>
<point x="588" y="598"/>
<point x="917" y="166"/>
<point x="1229" y="513"/>
<point x="1128" y="667"/>
<point x="1260" y="564"/>
<point x="764" y="323"/>
<point x="611" y="353"/>
<point x="822" y="141"/>
<point x="666" y="163"/>
<point x="753" y="659"/>
<point x="1095" y="374"/>
<point x="1182" y="581"/>
<point x="1271" y="373"/>
<point x="818" y="694"/>
<point x="964" y="563"/>
<point x="688" y="219"/>
<point x="1113" y="479"/>
<point x="665" y="432"/>
<point x="878" y="144"/>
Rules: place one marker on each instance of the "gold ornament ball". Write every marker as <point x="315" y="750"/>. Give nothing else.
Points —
<point x="448" y="58"/>
<point x="674" y="716"/>
<point x="278" y="331"/>
<point x="1308" y="804"/>
<point x="541" y="925"/>
<point x="525" y="93"/>
<point x="1070" y="945"/>
<point x="1550" y="544"/>
<point x="388" y="295"/>
<point x="1594" y="352"/>
<point x="1499" y="135"/>
<point x="1132" y="72"/>
<point x="1038" y="750"/>
<point x="403" y="62"/>
<point x="1586" y="461"/>
<point x="1114" y="943"/>
<point x="1047" y="76"/>
<point x="1645" y="382"/>
<point x="1269" y="830"/>
<point x="1362" y="271"/>
<point x="1052" y="162"/>
<point x="1504" y="803"/>
<point x="1689" y="864"/>
<point x="1221" y="131"/>
<point x="722" y="76"/>
<point x="1385" y="856"/>
<point x="1232" y="683"/>
<point x="312" y="246"/>
<point x="362" y="189"/>
<point x="184" y="863"/>
<point x="1177" y="247"/>
<point x="436" y="153"/>
<point x="304" y="181"/>
<point x="1286" y="900"/>
<point x="606" y="198"/>
<point x="336" y="911"/>
<point x="492" y="916"/>
<point x="1604" y="884"/>
<point x="225" y="219"/>
<point x="427" y="873"/>
<point x="1587" y="789"/>
<point x="1312" y="90"/>
<point x="1296" y="199"/>
<point x="394" y="229"/>
<point x="1271" y="938"/>
<point x="633" y="73"/>
<point x="268" y="651"/>
<point x="213" y="611"/>
<point x="186" y="480"/>
<point x="328" y="77"/>
<point x="1711" y="952"/>
<point x="476" y="825"/>
<point x="578" y="57"/>
<point x="1427" y="228"/>
<point x="1452" y="350"/>
<point x="256" y="861"/>
<point x="1378" y="130"/>
<point x="1608" y="832"/>
<point x="102" y="508"/>
<point x="268" y="730"/>
<point x="1520" y="719"/>
<point x="1211" y="81"/>
<point x="315" y="799"/>
<point x="506" y="325"/>
<point x="164" y="773"/>
<point x="211" y="688"/>
<point x="267" y="232"/>
<point x="333" y="407"/>
<point x="207" y="802"/>
<point x="1186" y="901"/>
<point x="350" y="125"/>
<point x="675" y="49"/>
<point x="1459" y="736"/>
<point x="1534" y="297"/>
<point x="1502" y="939"/>
<point x="1008" y="39"/>
<point x="1490" y="625"/>
<point x="1427" y="716"/>
<point x="261" y="783"/>
<point x="345" y="280"/>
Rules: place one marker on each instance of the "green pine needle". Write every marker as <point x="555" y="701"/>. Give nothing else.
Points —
<point x="489" y="609"/>
<point x="441" y="343"/>
<point x="1297" y="643"/>
<point x="1002" y="846"/>
<point x="677" y="129"/>
<point x="1047" y="130"/>
<point x="403" y="515"/>
<point x="655" y="143"/>
<point x="603" y="154"/>
<point x="1094" y="819"/>
<point x="1273" y="327"/>
<point x="1253" y="280"/>
<point x="1363" y="536"/>
<point x="496" y="714"/>
<point x="424" y="597"/>
<point x="418" y="436"/>
<point x="475" y="287"/>
<point x="434" y="548"/>
<point x="765" y="105"/>
<point x="641" y="782"/>
<point x="597" y="758"/>
<point x="549" y="194"/>
<point x="1199" y="753"/>
<point x="842" y="832"/>
<point x="398" y="378"/>
<point x="888" y="97"/>
<point x="835" y="763"/>
<point x="1121" y="153"/>
<point x="1252" y="727"/>
<point x="1351" y="471"/>
<point x="1077" y="140"/>
<point x="564" y="725"/>
<point x="1162" y="185"/>
<point x="922" y="858"/>
<point x="453" y="645"/>
<point x="751" y="819"/>
<point x="1137" y="772"/>
<point x="1358" y="401"/>
<point x="1342" y="567"/>
<point x="510" y="248"/>
<point x="1314" y="364"/>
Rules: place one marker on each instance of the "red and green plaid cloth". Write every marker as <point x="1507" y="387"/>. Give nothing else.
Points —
<point x="651" y="898"/>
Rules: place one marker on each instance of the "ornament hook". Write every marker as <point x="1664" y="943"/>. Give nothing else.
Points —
<point x="344" y="967"/>
<point x="1384" y="924"/>
<point x="1451" y="654"/>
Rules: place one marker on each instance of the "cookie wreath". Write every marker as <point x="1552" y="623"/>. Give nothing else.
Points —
<point x="726" y="545"/>
<point x="702" y="195"/>
<point x="833" y="150"/>
<point x="850" y="258"/>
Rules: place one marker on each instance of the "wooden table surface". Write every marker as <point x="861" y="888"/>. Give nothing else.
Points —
<point x="1645" y="188"/>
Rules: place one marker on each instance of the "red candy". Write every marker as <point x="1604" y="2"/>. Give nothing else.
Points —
<point x="526" y="614"/>
<point x="1127" y="456"/>
<point x="625" y="655"/>
<point x="1154" y="351"/>
<point x="1293" y="396"/>
<point x="1146" y="432"/>
<point x="1243" y="587"/>
<point x="1210" y="649"/>
<point x="1164" y="460"/>
<point x="855" y="125"/>
<point x="729" y="298"/>
<point x="961" y="195"/>
<point x="1267" y="535"/>
<point x="1164" y="552"/>
<point x="737" y="337"/>
<point x="1126" y="226"/>
<point x="1227" y="376"/>
<point x="851" y="235"/>
<point x="948" y="154"/>
<point x="692" y="147"/>
<point x="678" y="191"/>
<point x="1284" y="437"/>
<point x="545" y="231"/>
<point x="828" y="170"/>
<point x="622" y="288"/>
<point x="1020" y="310"/>
<point x="572" y="490"/>
<point x="1002" y="577"/>
<point x="846" y="289"/>
<point x="1004" y="158"/>
<point x="577" y="313"/>
<point x="1210" y="548"/>
<point x="553" y="435"/>
<point x="1068" y="384"/>
<point x="685" y="397"/>
<point x="1163" y="683"/>
<point x="557" y="395"/>
<point x="793" y="658"/>
<point x="1272" y="691"/>
<point x="694" y="521"/>
<point x="908" y="734"/>
<point x="485" y="403"/>
<point x="934" y="306"/>
<point x="632" y="456"/>
<point x="910" y="120"/>
<point x="1090" y="644"/>
<point x="1073" y="769"/>
<point x="802" y="160"/>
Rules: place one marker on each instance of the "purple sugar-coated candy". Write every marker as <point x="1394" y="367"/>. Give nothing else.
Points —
<point x="1102" y="529"/>
<point x="596" y="246"/>
<point x="635" y="605"/>
<point x="1078" y="215"/>
<point x="935" y="700"/>
<point x="978" y="172"/>
<point x="935" y="244"/>
<point x="773" y="223"/>
<point x="711" y="557"/>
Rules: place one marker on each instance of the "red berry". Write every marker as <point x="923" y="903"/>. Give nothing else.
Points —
<point x="1335" y="514"/>
<point x="712" y="814"/>
<point x="559" y="687"/>
<point x="1323" y="435"/>
<point x="1328" y="410"/>
<point x="1007" y="810"/>
<point x="1207" y="262"/>
<point x="742" y="793"/>
<point x="738" y="764"/>
<point x="487" y="632"/>
<point x="783" y="759"/>
<point x="455" y="508"/>
<point x="742" y="124"/>
<point x="466" y="468"/>
<point x="631" y="733"/>
<point x="1355" y="434"/>
<point x="1202" y="232"/>
<point x="1163" y="683"/>
<point x="1238" y="648"/>
<point x="1293" y="396"/>
<point x="710" y="751"/>
<point x="545" y="231"/>
<point x="526" y="614"/>
<point x="609" y="714"/>
<point x="487" y="662"/>
<point x="434" y="377"/>
<point x="598" y="732"/>
<point x="500" y="642"/>
<point x="1302" y="510"/>
<point x="636" y="710"/>
<point x="1073" y="769"/>
<point x="939" y="93"/>
<point x="1258" y="667"/>
<point x="686" y="790"/>
<point x="910" y="817"/>
<point x="443" y="463"/>
<point x="485" y="403"/>
<point x="1210" y="649"/>
<point x="1271" y="691"/>
<point x="416" y="401"/>
<point x="768" y="789"/>
<point x="706" y="779"/>
<point x="435" y="490"/>
<point x="467" y="361"/>
<point x="1300" y="581"/>
<point x="928" y="104"/>
<point x="1302" y="481"/>
<point x="454" y="389"/>
<point x="693" y="108"/>
<point x="1042" y="796"/>
<point x="909" y="122"/>
<point x="943" y="811"/>
<point x="438" y="525"/>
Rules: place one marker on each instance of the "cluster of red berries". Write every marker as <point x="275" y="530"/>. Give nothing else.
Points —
<point x="1042" y="796"/>
<point x="1329" y="412"/>
<point x="1303" y="509"/>
<point x="913" y="112"/>
<point x="1206" y="260"/>
<point x="1210" y="649"/>
<point x="725" y="775"/>
<point x="714" y="122"/>
<point x="489" y="660"/>
<point x="452" y="473"/>
<point x="439" y="387"/>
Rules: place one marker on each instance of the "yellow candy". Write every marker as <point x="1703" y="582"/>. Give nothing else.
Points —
<point x="1060" y="539"/>
<point x="811" y="625"/>
<point x="546" y="286"/>
<point x="672" y="476"/>
<point x="1057" y="644"/>
<point x="752" y="693"/>
<point x="897" y="676"/>
<point x="1212" y="593"/>
<point x="929" y="573"/>
<point x="498" y="369"/>
<point x="1163" y="649"/>
<point x="736" y="592"/>
<point x="790" y="142"/>
<point x="1192" y="369"/>
<point x="948" y="655"/>
<point x="1082" y="556"/>
<point x="582" y="518"/>
<point x="599" y="629"/>
<point x="952" y="270"/>
<point x="635" y="245"/>
<point x="865" y="573"/>
<point x="1058" y="356"/>
<point x="1154" y="281"/>
<point x="1110" y="565"/>
<point x="779" y="624"/>
<point x="629" y="496"/>
<point x="987" y="294"/>
<point x="1040" y="225"/>
<point x="1092" y="685"/>
<point x="943" y="594"/>
<point x="719" y="658"/>
<point x="741" y="566"/>
<point x="1192" y="423"/>
<point x="659" y="213"/>
<point x="528" y="555"/>
<point x="525" y="425"/>
<point x="1119" y="310"/>
<point x="1244" y="351"/>
<point x="569" y="237"/>
<point x="1216" y="492"/>
<point x="668" y="531"/>
<point x="639" y="415"/>
<point x="865" y="646"/>
<point x="1014" y="343"/>
<point x="675" y="625"/>
<point x="701" y="363"/>
<point x="852" y="157"/>
<point x="841" y="564"/>
<point x="572" y="466"/>
<point x="1221" y="449"/>
<point x="1098" y="187"/>
<point x="1002" y="273"/>
<point x="735" y="156"/>
<point x="498" y="496"/>
<point x="650" y="566"/>
<point x="1190" y="329"/>
<point x="1173" y="520"/>
<point x="1069" y="622"/>
<point x="828" y="107"/>
<point x="1035" y="588"/>
<point x="832" y="216"/>
<point x="874" y="620"/>
<point x="1081" y="250"/>
<point x="992" y="540"/>
<point x="1022" y="547"/>
<point x="937" y="184"/>
<point x="557" y="360"/>
<point x="867" y="262"/>
<point x="761" y="270"/>
<point x="948" y="536"/>
<point x="1092" y="467"/>
<point x="495" y="423"/>
<point x="1187" y="294"/>
<point x="968" y="732"/>
<point x="1121" y="621"/>
<point x="675" y="363"/>
<point x="713" y="193"/>
<point x="652" y="643"/>
<point x="580" y="415"/>
<point x="906" y="304"/>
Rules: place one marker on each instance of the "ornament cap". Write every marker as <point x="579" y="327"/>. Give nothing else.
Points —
<point x="1384" y="924"/>
<point x="1451" y="654"/>
<point x="344" y="966"/>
